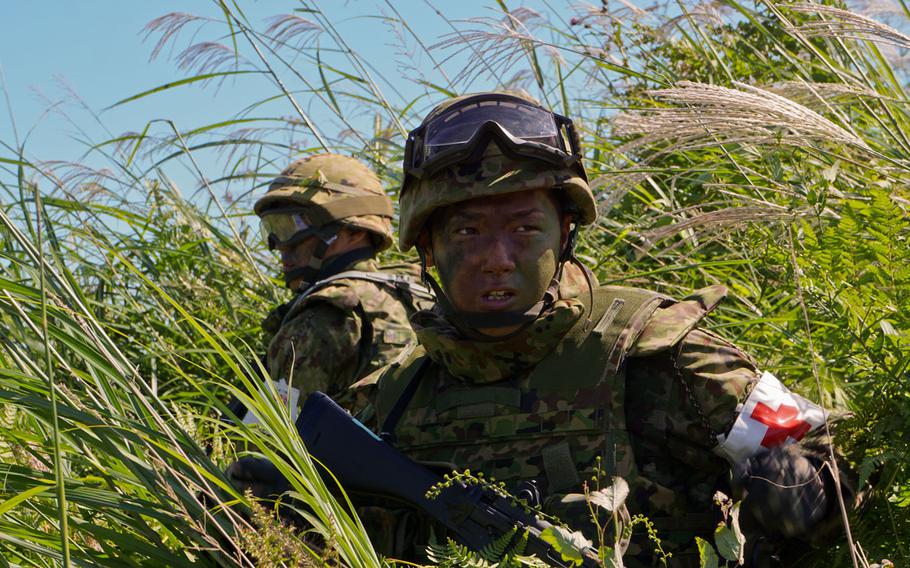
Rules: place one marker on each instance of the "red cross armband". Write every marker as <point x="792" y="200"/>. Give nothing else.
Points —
<point x="772" y="416"/>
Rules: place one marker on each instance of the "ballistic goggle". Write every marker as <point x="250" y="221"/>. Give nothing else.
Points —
<point x="521" y="129"/>
<point x="289" y="226"/>
<point x="282" y="227"/>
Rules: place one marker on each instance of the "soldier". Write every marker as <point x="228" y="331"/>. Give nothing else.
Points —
<point x="328" y="216"/>
<point x="526" y="370"/>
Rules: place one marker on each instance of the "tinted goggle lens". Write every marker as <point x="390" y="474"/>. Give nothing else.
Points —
<point x="523" y="122"/>
<point x="281" y="228"/>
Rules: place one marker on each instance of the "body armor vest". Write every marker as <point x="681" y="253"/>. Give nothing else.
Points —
<point x="551" y="426"/>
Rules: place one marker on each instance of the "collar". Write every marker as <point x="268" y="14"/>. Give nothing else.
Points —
<point x="359" y="259"/>
<point x="493" y="359"/>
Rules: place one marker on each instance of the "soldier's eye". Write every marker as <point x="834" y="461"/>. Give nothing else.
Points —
<point x="465" y="231"/>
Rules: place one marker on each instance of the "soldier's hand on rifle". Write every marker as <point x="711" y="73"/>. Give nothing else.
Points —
<point x="258" y="475"/>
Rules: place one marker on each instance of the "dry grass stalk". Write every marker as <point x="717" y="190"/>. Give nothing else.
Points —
<point x="847" y="25"/>
<point x="612" y="186"/>
<point x="169" y="26"/>
<point x="502" y="43"/>
<point x="708" y="115"/>
<point x="731" y="217"/>
<point x="704" y="13"/>
<point x="821" y="93"/>
<point x="208" y="57"/>
<point x="289" y="28"/>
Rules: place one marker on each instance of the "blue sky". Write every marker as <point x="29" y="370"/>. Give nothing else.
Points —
<point x="65" y="63"/>
<point x="52" y="50"/>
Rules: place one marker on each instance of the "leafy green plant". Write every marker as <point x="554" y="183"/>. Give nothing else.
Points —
<point x="504" y="552"/>
<point x="729" y="541"/>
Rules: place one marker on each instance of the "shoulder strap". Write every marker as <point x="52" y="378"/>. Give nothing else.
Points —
<point x="393" y="279"/>
<point x="401" y="282"/>
<point x="671" y="323"/>
<point x="412" y="379"/>
<point x="623" y="319"/>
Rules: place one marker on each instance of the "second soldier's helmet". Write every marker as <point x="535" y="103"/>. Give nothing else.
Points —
<point x="489" y="144"/>
<point x="318" y="195"/>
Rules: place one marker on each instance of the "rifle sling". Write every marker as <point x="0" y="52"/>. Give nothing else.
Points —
<point x="387" y="432"/>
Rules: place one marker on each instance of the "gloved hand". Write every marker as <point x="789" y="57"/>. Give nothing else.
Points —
<point x="258" y="475"/>
<point x="785" y="493"/>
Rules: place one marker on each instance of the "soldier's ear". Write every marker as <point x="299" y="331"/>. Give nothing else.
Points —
<point x="359" y="238"/>
<point x="425" y="244"/>
<point x="565" y="227"/>
<point x="348" y="239"/>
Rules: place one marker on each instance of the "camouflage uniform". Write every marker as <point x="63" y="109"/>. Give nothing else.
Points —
<point x="637" y="386"/>
<point x="619" y="374"/>
<point x="351" y="316"/>
<point x="335" y="333"/>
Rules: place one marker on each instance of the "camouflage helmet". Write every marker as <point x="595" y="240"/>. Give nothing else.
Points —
<point x="338" y="189"/>
<point x="495" y="174"/>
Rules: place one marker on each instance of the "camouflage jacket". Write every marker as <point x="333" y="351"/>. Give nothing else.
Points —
<point x="632" y="385"/>
<point x="342" y="329"/>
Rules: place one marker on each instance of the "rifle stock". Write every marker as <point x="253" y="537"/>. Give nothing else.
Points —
<point x="362" y="462"/>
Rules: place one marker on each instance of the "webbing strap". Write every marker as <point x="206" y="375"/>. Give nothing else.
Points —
<point x="387" y="431"/>
<point x="400" y="281"/>
<point x="560" y="467"/>
<point x="387" y="278"/>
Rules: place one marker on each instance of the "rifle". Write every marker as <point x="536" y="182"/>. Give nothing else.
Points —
<point x="362" y="462"/>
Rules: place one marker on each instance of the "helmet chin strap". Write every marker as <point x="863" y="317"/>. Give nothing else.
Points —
<point x="470" y="323"/>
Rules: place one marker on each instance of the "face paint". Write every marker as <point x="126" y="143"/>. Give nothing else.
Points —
<point x="497" y="253"/>
<point x="296" y="256"/>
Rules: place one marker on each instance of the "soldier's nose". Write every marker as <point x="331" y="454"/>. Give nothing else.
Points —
<point x="497" y="257"/>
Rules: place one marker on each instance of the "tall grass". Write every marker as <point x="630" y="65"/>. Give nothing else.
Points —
<point x="763" y="147"/>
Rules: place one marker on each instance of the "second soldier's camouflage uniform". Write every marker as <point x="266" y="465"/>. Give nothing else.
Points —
<point x="350" y="316"/>
<point x="342" y="329"/>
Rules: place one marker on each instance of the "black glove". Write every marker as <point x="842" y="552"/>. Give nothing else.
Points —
<point x="259" y="476"/>
<point x="785" y="493"/>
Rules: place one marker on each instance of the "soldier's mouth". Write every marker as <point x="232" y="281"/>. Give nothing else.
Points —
<point x="498" y="297"/>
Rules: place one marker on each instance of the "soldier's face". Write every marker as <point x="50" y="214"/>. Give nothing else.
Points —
<point x="497" y="253"/>
<point x="296" y="256"/>
<point x="299" y="255"/>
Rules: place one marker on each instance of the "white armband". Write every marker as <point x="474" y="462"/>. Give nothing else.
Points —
<point x="771" y="416"/>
